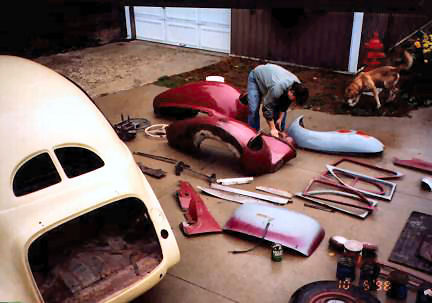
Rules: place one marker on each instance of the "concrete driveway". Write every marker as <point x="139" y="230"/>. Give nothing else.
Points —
<point x="207" y="272"/>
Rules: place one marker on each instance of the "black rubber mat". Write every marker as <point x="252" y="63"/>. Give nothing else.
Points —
<point x="409" y="248"/>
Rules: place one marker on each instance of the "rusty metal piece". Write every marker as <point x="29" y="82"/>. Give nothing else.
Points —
<point x="229" y="196"/>
<point x="414" y="163"/>
<point x="275" y="191"/>
<point x="180" y="166"/>
<point x="388" y="173"/>
<point x="156" y="173"/>
<point x="234" y="181"/>
<point x="273" y="199"/>
<point x="198" y="218"/>
<point x="386" y="195"/>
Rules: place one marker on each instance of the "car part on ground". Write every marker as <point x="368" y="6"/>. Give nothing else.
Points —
<point x="69" y="172"/>
<point x="320" y="207"/>
<point x="426" y="183"/>
<point x="275" y="191"/>
<point x="385" y="189"/>
<point x="338" y="142"/>
<point x="269" y="198"/>
<point x="127" y="129"/>
<point x="257" y="153"/>
<point x="234" y="181"/>
<point x="156" y="173"/>
<point x="331" y="291"/>
<point x="383" y="173"/>
<point x="229" y="196"/>
<point x="198" y="218"/>
<point x="288" y="228"/>
<point x="179" y="167"/>
<point x="156" y="131"/>
<point x="414" y="163"/>
<point x="187" y="100"/>
<point x="328" y="191"/>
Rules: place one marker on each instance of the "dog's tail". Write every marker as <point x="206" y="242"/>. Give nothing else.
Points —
<point x="408" y="61"/>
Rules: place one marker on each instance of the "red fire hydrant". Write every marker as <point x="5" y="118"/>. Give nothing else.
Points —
<point x="375" y="55"/>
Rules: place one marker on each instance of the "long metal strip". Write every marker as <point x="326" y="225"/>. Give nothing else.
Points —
<point x="275" y="191"/>
<point x="229" y="196"/>
<point x="372" y="203"/>
<point x="361" y="215"/>
<point x="273" y="199"/>
<point x="392" y="186"/>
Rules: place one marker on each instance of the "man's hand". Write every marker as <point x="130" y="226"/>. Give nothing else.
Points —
<point x="279" y="124"/>
<point x="274" y="132"/>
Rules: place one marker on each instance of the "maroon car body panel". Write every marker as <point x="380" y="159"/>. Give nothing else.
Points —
<point x="258" y="153"/>
<point x="218" y="96"/>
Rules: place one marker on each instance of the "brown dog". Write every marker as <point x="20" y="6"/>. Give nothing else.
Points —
<point x="382" y="77"/>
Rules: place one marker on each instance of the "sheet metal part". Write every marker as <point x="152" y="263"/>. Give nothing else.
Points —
<point x="275" y="191"/>
<point x="338" y="142"/>
<point x="256" y="153"/>
<point x="183" y="194"/>
<point x="323" y="208"/>
<point x="229" y="196"/>
<point x="234" y="181"/>
<point x="414" y="163"/>
<point x="388" y="174"/>
<point x="386" y="196"/>
<point x="359" y="214"/>
<point x="288" y="228"/>
<point x="198" y="218"/>
<point x="273" y="199"/>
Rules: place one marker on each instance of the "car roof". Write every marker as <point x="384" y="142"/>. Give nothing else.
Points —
<point x="41" y="110"/>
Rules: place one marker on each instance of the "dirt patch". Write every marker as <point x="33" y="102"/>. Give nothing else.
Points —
<point x="326" y="88"/>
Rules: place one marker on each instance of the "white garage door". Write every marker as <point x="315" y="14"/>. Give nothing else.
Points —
<point x="201" y="28"/>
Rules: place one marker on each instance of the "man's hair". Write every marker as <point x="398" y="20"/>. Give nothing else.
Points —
<point x="301" y="92"/>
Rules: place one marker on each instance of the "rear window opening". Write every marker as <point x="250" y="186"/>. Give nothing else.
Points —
<point x="97" y="254"/>
<point x="77" y="161"/>
<point x="37" y="173"/>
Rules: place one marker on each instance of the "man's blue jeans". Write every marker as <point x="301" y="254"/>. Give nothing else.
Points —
<point x="254" y="102"/>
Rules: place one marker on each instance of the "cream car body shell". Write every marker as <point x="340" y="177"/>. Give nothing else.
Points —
<point x="41" y="111"/>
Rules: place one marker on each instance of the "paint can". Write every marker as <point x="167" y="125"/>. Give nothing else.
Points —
<point x="398" y="281"/>
<point x="277" y="252"/>
<point x="369" y="273"/>
<point x="354" y="249"/>
<point x="345" y="269"/>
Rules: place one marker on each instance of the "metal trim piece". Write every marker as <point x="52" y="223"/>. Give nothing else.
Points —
<point x="273" y="199"/>
<point x="229" y="196"/>
<point x="393" y="174"/>
<point x="414" y="163"/>
<point x="389" y="196"/>
<point x="361" y="215"/>
<point x="275" y="191"/>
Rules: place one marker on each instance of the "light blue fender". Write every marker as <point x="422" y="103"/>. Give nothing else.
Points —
<point x="339" y="141"/>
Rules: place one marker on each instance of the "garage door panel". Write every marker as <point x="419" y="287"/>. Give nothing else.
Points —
<point x="179" y="13"/>
<point x="151" y="30"/>
<point x="216" y="40"/>
<point x="208" y="29"/>
<point x="182" y="34"/>
<point x="221" y="17"/>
